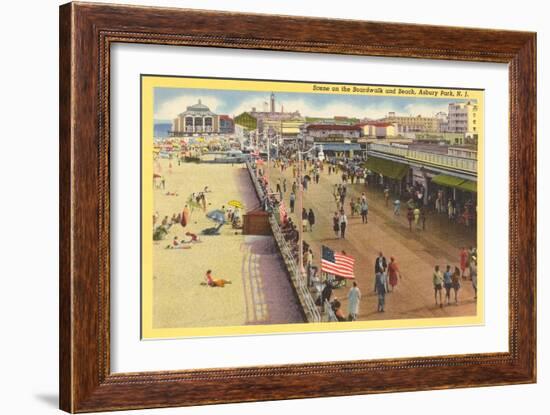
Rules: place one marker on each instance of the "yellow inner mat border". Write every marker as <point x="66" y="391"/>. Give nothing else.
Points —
<point x="149" y="82"/>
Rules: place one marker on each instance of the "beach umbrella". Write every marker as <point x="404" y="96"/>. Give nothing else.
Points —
<point x="236" y="203"/>
<point x="217" y="216"/>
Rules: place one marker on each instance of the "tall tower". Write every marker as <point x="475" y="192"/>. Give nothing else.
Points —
<point x="272" y="106"/>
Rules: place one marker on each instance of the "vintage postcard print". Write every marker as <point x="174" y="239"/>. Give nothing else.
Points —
<point x="278" y="207"/>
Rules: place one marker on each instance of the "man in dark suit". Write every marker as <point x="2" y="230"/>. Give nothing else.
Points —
<point x="380" y="267"/>
<point x="380" y="264"/>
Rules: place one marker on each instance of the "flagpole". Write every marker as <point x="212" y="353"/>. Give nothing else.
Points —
<point x="268" y="156"/>
<point x="300" y="221"/>
<point x="300" y="207"/>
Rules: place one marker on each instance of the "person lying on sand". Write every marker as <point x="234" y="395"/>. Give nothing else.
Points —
<point x="194" y="238"/>
<point x="215" y="282"/>
<point x="176" y="244"/>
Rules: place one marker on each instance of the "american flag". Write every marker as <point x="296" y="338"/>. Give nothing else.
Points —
<point x="337" y="264"/>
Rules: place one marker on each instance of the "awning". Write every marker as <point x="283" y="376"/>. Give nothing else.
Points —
<point x="468" y="186"/>
<point x="387" y="168"/>
<point x="456" y="182"/>
<point x="445" y="180"/>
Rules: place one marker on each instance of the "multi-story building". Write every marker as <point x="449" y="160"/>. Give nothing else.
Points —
<point x="333" y="132"/>
<point x="285" y="128"/>
<point x="463" y="118"/>
<point x="406" y="124"/>
<point x="338" y="119"/>
<point x="271" y="120"/>
<point x="226" y="124"/>
<point x="196" y="118"/>
<point x="443" y="121"/>
<point x="378" y="129"/>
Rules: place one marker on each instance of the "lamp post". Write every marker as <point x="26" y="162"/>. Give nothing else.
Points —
<point x="301" y="207"/>
<point x="268" y="171"/>
<point x="301" y="220"/>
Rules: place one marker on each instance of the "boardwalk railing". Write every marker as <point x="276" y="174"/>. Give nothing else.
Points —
<point x="296" y="277"/>
<point x="444" y="160"/>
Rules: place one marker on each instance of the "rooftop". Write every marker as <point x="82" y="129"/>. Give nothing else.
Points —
<point x="334" y="127"/>
<point x="198" y="107"/>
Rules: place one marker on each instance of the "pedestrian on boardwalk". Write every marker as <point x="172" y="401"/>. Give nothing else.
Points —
<point x="343" y="224"/>
<point x="364" y="211"/>
<point x="292" y="200"/>
<point x="463" y="261"/>
<point x="410" y="218"/>
<point x="386" y="196"/>
<point x="336" y="224"/>
<point x="354" y="297"/>
<point x="438" y="285"/>
<point x="352" y="206"/>
<point x="326" y="293"/>
<point x="278" y="188"/>
<point x="450" y="209"/>
<point x="311" y="219"/>
<point x="337" y="202"/>
<point x="420" y="198"/>
<point x="394" y="273"/>
<point x="284" y="185"/>
<point x="380" y="264"/>
<point x="416" y="213"/>
<point x="448" y="282"/>
<point x="380" y="289"/>
<point x="439" y="202"/>
<point x="456" y="283"/>
<point x="473" y="275"/>
<point x="396" y="207"/>
<point x="305" y="222"/>
<point x="309" y="265"/>
<point x="471" y="253"/>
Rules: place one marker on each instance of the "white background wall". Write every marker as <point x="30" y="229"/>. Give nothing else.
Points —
<point x="28" y="208"/>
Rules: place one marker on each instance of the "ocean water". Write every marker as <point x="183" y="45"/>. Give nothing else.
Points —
<point x="161" y="129"/>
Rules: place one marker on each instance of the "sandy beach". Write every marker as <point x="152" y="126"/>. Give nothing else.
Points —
<point x="259" y="292"/>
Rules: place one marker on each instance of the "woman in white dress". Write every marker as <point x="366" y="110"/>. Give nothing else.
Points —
<point x="354" y="296"/>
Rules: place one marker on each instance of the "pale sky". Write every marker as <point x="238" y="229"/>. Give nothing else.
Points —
<point x="169" y="102"/>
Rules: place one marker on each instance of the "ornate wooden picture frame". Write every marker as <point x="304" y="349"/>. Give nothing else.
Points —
<point x="87" y="32"/>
